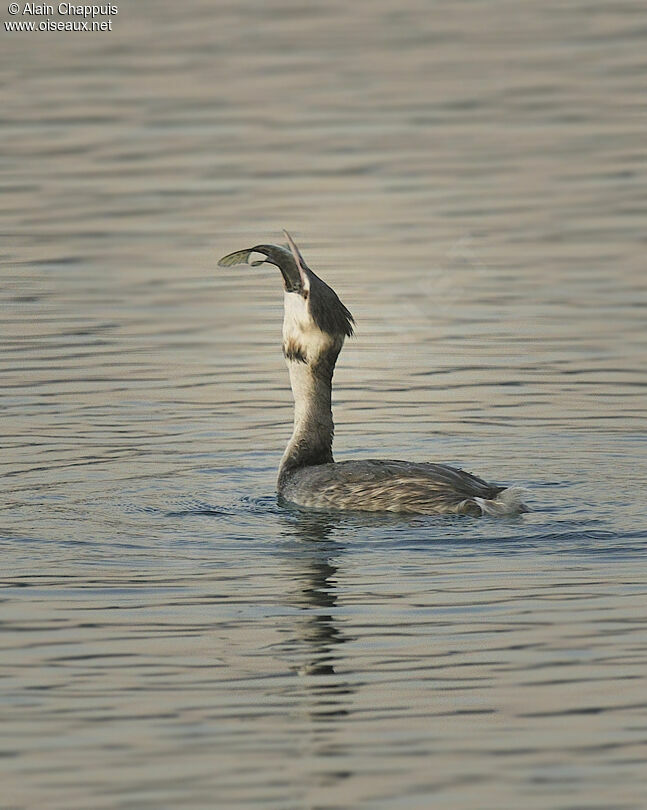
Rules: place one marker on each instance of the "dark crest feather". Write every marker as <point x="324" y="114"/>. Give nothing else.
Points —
<point x="327" y="311"/>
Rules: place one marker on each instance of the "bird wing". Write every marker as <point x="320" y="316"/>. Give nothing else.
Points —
<point x="397" y="486"/>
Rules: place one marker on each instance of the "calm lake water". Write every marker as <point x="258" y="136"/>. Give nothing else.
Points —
<point x="472" y="179"/>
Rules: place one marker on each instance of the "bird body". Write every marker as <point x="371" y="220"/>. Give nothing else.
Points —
<point x="376" y="485"/>
<point x="315" y="325"/>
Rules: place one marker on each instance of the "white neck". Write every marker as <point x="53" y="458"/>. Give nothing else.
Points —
<point x="311" y="441"/>
<point x="310" y="356"/>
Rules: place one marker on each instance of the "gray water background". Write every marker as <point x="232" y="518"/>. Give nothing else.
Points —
<point x="471" y="178"/>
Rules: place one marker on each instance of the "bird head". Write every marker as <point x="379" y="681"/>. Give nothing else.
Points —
<point x="315" y="321"/>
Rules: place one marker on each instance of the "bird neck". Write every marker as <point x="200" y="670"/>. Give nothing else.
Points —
<point x="311" y="441"/>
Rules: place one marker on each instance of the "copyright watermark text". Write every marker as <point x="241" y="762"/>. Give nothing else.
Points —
<point x="57" y="17"/>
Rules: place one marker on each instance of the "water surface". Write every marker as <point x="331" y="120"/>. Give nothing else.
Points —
<point x="470" y="177"/>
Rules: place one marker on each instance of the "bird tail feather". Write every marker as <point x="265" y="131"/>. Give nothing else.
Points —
<point x="508" y="502"/>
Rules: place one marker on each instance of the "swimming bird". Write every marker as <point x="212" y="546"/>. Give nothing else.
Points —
<point x="315" y="325"/>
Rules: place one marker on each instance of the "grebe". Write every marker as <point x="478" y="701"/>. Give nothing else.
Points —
<point x="315" y="325"/>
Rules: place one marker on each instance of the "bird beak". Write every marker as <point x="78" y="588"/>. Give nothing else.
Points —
<point x="290" y="263"/>
<point x="298" y="260"/>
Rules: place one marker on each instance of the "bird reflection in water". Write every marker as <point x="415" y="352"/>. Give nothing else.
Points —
<point x="317" y="639"/>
